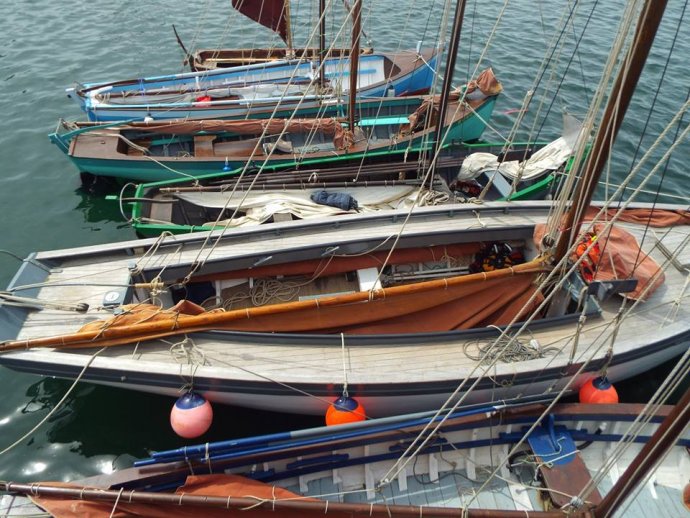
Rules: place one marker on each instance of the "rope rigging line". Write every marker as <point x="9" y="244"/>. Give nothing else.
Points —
<point x="614" y="121"/>
<point x="198" y="263"/>
<point x="229" y="219"/>
<point x="460" y="400"/>
<point x="568" y="188"/>
<point x="549" y="62"/>
<point x="570" y="21"/>
<point x="675" y="138"/>
<point x="431" y="91"/>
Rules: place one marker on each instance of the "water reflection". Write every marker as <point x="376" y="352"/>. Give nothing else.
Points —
<point x="96" y="208"/>
<point x="96" y="420"/>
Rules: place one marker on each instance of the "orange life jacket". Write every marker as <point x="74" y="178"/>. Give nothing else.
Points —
<point x="588" y="266"/>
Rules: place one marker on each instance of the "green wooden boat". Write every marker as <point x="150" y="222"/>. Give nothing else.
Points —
<point x="166" y="150"/>
<point x="230" y="200"/>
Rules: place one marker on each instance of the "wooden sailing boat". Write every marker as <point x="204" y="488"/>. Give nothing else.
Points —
<point x="297" y="83"/>
<point x="275" y="15"/>
<point x="503" y="460"/>
<point x="270" y="194"/>
<point x="402" y="304"/>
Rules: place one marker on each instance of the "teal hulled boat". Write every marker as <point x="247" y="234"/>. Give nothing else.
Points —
<point x="155" y="151"/>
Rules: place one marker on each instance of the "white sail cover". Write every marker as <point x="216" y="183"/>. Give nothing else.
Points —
<point x="260" y="206"/>
<point x="548" y="158"/>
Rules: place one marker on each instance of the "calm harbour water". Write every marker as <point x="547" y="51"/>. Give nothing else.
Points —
<point x="45" y="46"/>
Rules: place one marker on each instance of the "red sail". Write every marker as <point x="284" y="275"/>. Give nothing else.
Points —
<point x="269" y="13"/>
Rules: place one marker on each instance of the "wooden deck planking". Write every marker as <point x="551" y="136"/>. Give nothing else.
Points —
<point x="440" y="361"/>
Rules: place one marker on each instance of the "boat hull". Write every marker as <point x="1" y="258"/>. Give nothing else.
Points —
<point x="378" y="400"/>
<point x="154" y="169"/>
<point x="360" y="467"/>
<point x="302" y="373"/>
<point x="416" y="77"/>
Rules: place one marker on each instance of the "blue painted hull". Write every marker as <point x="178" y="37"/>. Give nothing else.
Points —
<point x="418" y="80"/>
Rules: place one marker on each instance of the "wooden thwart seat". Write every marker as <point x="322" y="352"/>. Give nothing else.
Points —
<point x="203" y="145"/>
<point x="568" y="479"/>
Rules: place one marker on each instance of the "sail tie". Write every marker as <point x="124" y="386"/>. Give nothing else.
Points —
<point x="117" y="501"/>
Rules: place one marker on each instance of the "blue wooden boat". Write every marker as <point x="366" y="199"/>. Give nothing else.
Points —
<point x="248" y="90"/>
<point x="502" y="460"/>
<point x="301" y="77"/>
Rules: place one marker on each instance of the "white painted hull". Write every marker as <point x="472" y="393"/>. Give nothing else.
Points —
<point x="391" y="374"/>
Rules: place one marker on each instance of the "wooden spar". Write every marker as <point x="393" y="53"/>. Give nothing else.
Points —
<point x="288" y="27"/>
<point x="322" y="44"/>
<point x="188" y="59"/>
<point x="448" y="79"/>
<point x="652" y="452"/>
<point x="111" y="334"/>
<point x="648" y="23"/>
<point x="306" y="506"/>
<point x="354" y="61"/>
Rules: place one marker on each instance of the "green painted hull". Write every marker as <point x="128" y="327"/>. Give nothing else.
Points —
<point x="534" y="192"/>
<point x="148" y="170"/>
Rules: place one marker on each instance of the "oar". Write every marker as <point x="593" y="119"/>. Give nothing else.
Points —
<point x="270" y="442"/>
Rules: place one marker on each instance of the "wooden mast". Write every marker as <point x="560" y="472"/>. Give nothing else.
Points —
<point x="354" y="61"/>
<point x="322" y="44"/>
<point x="648" y="23"/>
<point x="659" y="443"/>
<point x="288" y="28"/>
<point x="448" y="79"/>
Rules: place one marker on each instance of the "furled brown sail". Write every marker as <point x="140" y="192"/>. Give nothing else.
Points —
<point x="480" y="299"/>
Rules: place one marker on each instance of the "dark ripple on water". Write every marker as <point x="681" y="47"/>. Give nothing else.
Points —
<point x="46" y="47"/>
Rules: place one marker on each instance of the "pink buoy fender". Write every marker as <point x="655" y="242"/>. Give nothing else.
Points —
<point x="191" y="416"/>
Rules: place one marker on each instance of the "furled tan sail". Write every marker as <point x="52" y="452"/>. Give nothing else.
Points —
<point x="486" y="298"/>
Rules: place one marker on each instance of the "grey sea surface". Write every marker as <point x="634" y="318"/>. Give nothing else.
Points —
<point x="46" y="46"/>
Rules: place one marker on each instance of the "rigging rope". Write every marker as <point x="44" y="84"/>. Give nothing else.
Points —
<point x="407" y="455"/>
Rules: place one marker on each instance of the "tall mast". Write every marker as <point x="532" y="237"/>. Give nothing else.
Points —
<point x="354" y="60"/>
<point x="288" y="27"/>
<point x="322" y="44"/>
<point x="647" y="25"/>
<point x="448" y="79"/>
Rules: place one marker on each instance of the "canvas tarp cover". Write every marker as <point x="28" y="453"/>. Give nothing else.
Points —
<point x="652" y="217"/>
<point x="206" y="485"/>
<point x="549" y="158"/>
<point x="621" y="256"/>
<point x="260" y="206"/>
